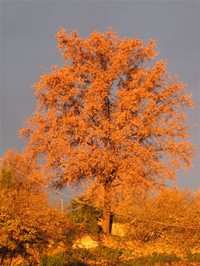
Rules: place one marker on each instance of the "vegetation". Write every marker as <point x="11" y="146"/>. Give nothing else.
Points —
<point x="114" y="119"/>
<point x="111" y="115"/>
<point x="28" y="226"/>
<point x="85" y="216"/>
<point x="160" y="230"/>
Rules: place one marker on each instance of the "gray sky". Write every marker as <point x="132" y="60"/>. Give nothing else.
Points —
<point x="27" y="30"/>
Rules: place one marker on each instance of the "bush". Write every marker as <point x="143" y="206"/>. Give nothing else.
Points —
<point x="81" y="257"/>
<point x="61" y="259"/>
<point x="151" y="260"/>
<point x="110" y="257"/>
<point x="193" y="257"/>
<point x="85" y="216"/>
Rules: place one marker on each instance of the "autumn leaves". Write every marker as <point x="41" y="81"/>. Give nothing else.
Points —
<point x="111" y="116"/>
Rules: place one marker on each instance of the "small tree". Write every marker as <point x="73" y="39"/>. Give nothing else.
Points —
<point x="85" y="215"/>
<point x="109" y="115"/>
<point x="170" y="220"/>
<point x="27" y="223"/>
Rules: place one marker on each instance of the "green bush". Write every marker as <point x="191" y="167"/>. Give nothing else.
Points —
<point x="151" y="260"/>
<point x="84" y="215"/>
<point x="81" y="257"/>
<point x="61" y="259"/>
<point x="110" y="256"/>
<point x="193" y="257"/>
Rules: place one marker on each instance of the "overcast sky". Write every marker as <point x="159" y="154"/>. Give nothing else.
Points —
<point x="27" y="30"/>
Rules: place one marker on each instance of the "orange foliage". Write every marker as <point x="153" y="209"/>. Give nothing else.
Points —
<point x="27" y="224"/>
<point x="110" y="115"/>
<point x="168" y="222"/>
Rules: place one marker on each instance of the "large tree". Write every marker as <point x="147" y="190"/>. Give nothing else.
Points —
<point x="109" y="115"/>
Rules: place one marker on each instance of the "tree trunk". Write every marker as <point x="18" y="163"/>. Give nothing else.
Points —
<point x="106" y="222"/>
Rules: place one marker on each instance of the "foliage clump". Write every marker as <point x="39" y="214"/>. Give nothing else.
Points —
<point x="86" y="216"/>
<point x="28" y="226"/>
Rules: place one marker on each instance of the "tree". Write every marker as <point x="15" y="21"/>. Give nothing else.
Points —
<point x="110" y="115"/>
<point x="85" y="216"/>
<point x="27" y="224"/>
<point x="167" y="221"/>
<point x="20" y="172"/>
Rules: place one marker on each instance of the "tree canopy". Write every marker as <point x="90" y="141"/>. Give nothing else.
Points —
<point x="111" y="115"/>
